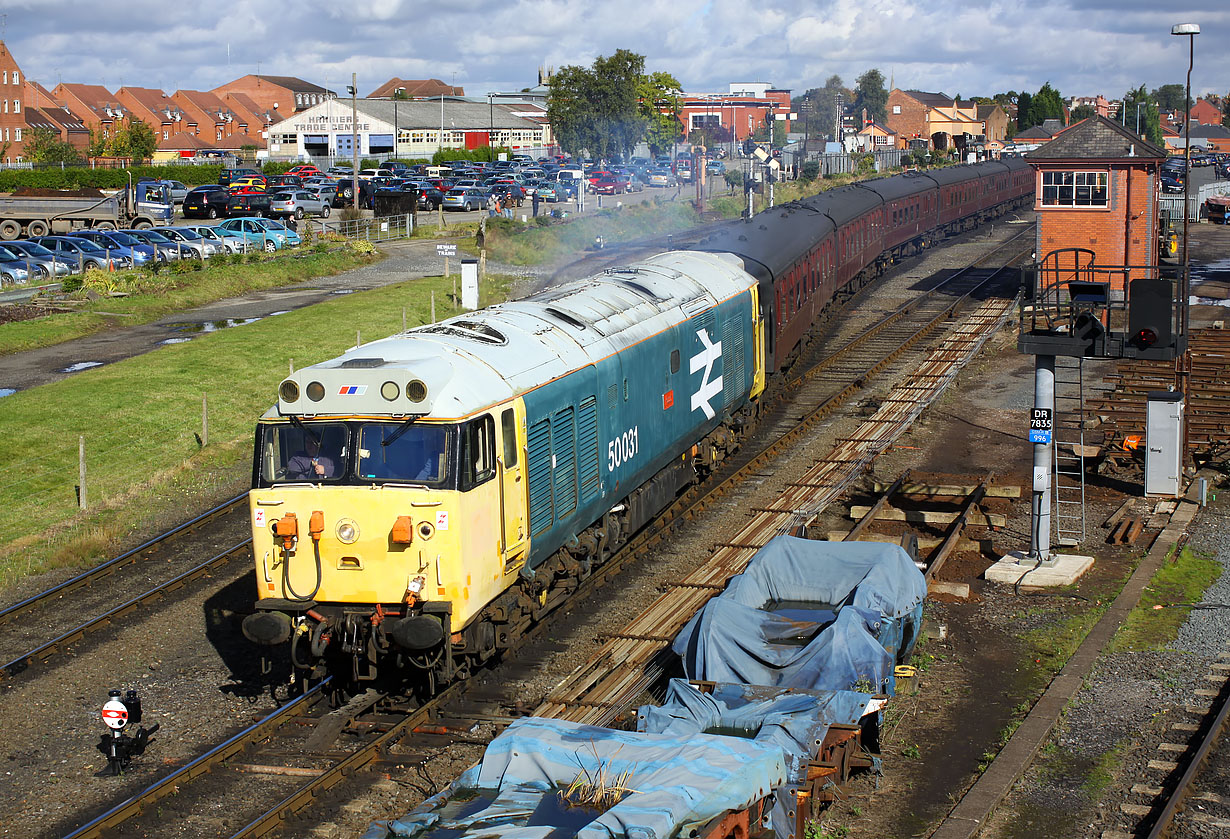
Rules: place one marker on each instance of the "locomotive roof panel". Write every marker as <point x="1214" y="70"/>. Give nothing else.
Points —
<point x="470" y="362"/>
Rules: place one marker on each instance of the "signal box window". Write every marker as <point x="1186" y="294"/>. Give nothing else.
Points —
<point x="1075" y="189"/>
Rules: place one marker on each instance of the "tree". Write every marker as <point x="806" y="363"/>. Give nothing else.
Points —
<point x="43" y="145"/>
<point x="771" y="131"/>
<point x="659" y="101"/>
<point x="1024" y="103"/>
<point x="132" y="139"/>
<point x="608" y="109"/>
<point x="1171" y="97"/>
<point x="1150" y="120"/>
<point x="869" y="93"/>
<point x="1006" y="99"/>
<point x="1082" y="112"/>
<point x="1225" y="111"/>
<point x="818" y="107"/>
<point x="1046" y="104"/>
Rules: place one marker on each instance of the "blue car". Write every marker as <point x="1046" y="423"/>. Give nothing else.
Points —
<point x="115" y="242"/>
<point x="260" y="233"/>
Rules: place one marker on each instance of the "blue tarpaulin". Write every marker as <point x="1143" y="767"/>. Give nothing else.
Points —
<point x="677" y="784"/>
<point x="796" y="721"/>
<point x="774" y="624"/>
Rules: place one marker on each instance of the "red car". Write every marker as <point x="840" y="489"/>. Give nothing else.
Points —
<point x="303" y="171"/>
<point x="609" y="185"/>
<point x="250" y="189"/>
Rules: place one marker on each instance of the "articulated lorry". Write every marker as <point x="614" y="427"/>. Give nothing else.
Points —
<point x="141" y="205"/>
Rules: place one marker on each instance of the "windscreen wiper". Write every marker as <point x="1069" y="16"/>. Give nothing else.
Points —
<point x="401" y="429"/>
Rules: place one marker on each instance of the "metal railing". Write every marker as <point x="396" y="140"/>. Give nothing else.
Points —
<point x="382" y="229"/>
<point x="1195" y="203"/>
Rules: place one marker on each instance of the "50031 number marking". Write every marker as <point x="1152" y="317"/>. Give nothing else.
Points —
<point x="623" y="448"/>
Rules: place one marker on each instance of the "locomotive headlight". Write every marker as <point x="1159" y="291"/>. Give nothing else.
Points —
<point x="426" y="530"/>
<point x="416" y="391"/>
<point x="289" y="391"/>
<point x="347" y="531"/>
<point x="389" y="390"/>
<point x="316" y="391"/>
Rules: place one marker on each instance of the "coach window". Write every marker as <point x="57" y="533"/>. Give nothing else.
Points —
<point x="478" y="451"/>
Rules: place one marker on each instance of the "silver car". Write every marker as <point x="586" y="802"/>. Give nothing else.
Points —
<point x="166" y="249"/>
<point x="185" y="237"/>
<point x="41" y="268"/>
<point x="298" y="203"/>
<point x="37" y="251"/>
<point x="221" y="239"/>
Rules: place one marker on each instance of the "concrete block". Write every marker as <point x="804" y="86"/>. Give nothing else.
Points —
<point x="1066" y="570"/>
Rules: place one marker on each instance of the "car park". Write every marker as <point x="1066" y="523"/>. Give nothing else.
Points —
<point x="36" y="251"/>
<point x="297" y="203"/>
<point x="115" y="242"/>
<point x="168" y="250"/>
<point x="465" y="198"/>
<point x="207" y="201"/>
<point x="38" y="268"/>
<point x="83" y="252"/>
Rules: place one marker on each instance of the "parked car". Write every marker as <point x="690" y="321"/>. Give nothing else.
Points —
<point x="429" y="197"/>
<point x="115" y="242"/>
<point x="635" y="184"/>
<point x="1171" y="182"/>
<point x="13" y="271"/>
<point x="610" y="184"/>
<point x="83" y="252"/>
<point x="207" y="201"/>
<point x="246" y="186"/>
<point x="36" y="251"/>
<point x="297" y="203"/>
<point x="326" y="192"/>
<point x="173" y="252"/>
<point x="552" y="192"/>
<point x="281" y="182"/>
<point x="221" y="239"/>
<point x="186" y="237"/>
<point x="509" y="192"/>
<point x="39" y="268"/>
<point x="229" y="176"/>
<point x="661" y="177"/>
<point x="248" y="204"/>
<point x="303" y="170"/>
<point x="261" y="233"/>
<point x="465" y="198"/>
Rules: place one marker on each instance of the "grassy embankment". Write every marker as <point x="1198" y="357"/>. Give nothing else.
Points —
<point x="127" y="298"/>
<point x="141" y="417"/>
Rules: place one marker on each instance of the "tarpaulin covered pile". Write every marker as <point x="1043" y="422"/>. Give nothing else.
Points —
<point x="794" y="721"/>
<point x="774" y="624"/>
<point x="677" y="783"/>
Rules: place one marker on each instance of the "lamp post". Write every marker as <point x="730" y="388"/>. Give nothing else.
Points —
<point x="354" y="136"/>
<point x="1191" y="30"/>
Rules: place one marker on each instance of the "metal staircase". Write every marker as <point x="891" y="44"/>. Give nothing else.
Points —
<point x="1068" y="487"/>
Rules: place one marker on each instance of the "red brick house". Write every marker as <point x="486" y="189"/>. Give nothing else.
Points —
<point x="285" y="94"/>
<point x="415" y="89"/>
<point x="12" y="119"/>
<point x="1097" y="190"/>
<point x="1206" y="113"/>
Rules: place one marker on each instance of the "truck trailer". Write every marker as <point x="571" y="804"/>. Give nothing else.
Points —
<point x="138" y="206"/>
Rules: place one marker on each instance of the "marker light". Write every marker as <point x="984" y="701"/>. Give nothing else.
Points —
<point x="289" y="391"/>
<point x="416" y="391"/>
<point x="316" y="391"/>
<point x="389" y="390"/>
<point x="347" y="531"/>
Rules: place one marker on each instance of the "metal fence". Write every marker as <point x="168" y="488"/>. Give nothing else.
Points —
<point x="1195" y="203"/>
<point x="382" y="229"/>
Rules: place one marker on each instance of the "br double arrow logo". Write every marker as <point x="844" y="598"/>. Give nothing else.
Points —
<point x="709" y="353"/>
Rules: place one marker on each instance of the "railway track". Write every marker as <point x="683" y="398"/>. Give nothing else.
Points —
<point x="41" y="627"/>
<point x="301" y="751"/>
<point x="1184" y="793"/>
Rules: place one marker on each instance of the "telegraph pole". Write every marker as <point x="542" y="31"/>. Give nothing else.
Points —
<point x="354" y="135"/>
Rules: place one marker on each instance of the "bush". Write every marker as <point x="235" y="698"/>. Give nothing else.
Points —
<point x="809" y="171"/>
<point x="71" y="283"/>
<point x="733" y="178"/>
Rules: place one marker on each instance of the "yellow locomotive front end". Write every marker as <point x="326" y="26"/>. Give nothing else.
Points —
<point x="379" y="538"/>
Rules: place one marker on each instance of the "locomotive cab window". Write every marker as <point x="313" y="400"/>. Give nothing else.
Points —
<point x="312" y="452"/>
<point x="409" y="452"/>
<point x="508" y="430"/>
<point x="478" y="452"/>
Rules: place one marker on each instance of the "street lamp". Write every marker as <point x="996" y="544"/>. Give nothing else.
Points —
<point x="1191" y="30"/>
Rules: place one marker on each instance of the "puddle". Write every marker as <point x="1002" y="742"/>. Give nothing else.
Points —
<point x="211" y="325"/>
<point x="7" y="391"/>
<point x="175" y="341"/>
<point x="278" y="312"/>
<point x="81" y="365"/>
<point x="1209" y="301"/>
<point x="343" y="291"/>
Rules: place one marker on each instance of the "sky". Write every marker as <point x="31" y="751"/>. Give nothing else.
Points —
<point x="1082" y="47"/>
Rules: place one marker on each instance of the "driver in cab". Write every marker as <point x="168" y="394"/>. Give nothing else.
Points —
<point x="309" y="464"/>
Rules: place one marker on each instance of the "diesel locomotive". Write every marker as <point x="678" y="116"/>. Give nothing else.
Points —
<point x="420" y="500"/>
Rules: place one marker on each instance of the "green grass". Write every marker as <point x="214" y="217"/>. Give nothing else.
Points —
<point x="1155" y="621"/>
<point x="168" y="293"/>
<point x="140" y="418"/>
